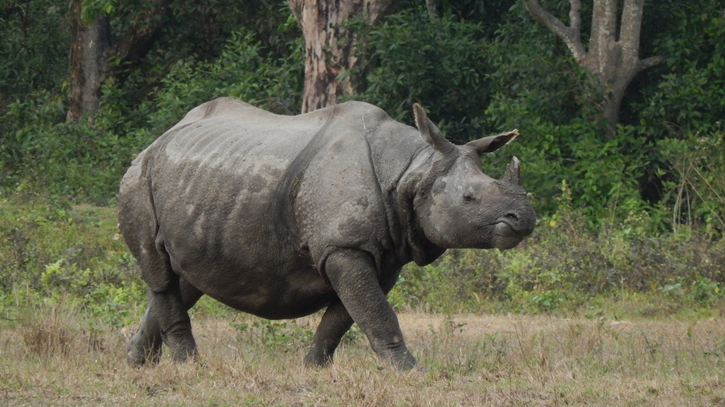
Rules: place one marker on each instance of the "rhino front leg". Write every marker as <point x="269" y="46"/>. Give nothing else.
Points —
<point x="354" y="277"/>
<point x="335" y="322"/>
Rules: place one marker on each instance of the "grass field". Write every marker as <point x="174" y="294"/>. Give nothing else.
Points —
<point x="616" y="319"/>
<point x="469" y="360"/>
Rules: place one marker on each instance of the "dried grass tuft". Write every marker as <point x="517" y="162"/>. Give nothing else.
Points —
<point x="51" y="329"/>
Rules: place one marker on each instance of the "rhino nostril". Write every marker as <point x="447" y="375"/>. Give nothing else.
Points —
<point x="512" y="217"/>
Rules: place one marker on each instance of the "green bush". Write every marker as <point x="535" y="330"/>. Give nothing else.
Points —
<point x="274" y="335"/>
<point x="84" y="161"/>
<point x="240" y="71"/>
<point x="35" y="42"/>
<point x="55" y="251"/>
<point x="42" y="152"/>
<point x="474" y="81"/>
<point x="689" y="98"/>
<point x="694" y="184"/>
<point x="441" y="65"/>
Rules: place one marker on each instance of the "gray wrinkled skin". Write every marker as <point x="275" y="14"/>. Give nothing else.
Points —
<point x="281" y="216"/>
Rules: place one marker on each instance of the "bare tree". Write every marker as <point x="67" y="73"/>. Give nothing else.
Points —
<point x="92" y="46"/>
<point x="329" y="46"/>
<point x="612" y="57"/>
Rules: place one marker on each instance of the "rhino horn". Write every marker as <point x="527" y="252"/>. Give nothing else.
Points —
<point x="492" y="143"/>
<point x="512" y="172"/>
<point x="430" y="132"/>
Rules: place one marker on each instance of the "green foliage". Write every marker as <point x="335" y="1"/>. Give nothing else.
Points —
<point x="276" y="335"/>
<point x="85" y="160"/>
<point x="282" y="336"/>
<point x="538" y="88"/>
<point x="602" y="172"/>
<point x="690" y="97"/>
<point x="190" y="32"/>
<point x="475" y="81"/>
<point x="42" y="152"/>
<point x="694" y="185"/>
<point x="241" y="71"/>
<point x="90" y="9"/>
<point x="533" y="76"/>
<point x="55" y="251"/>
<point x="33" y="49"/>
<point x="441" y="65"/>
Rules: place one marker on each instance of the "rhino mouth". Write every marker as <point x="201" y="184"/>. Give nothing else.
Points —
<point x="505" y="236"/>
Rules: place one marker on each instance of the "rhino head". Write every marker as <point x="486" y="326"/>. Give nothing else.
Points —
<point x="458" y="206"/>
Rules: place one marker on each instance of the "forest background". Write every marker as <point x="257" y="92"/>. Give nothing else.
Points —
<point x="629" y="189"/>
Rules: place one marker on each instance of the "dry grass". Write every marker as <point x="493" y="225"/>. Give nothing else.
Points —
<point x="470" y="360"/>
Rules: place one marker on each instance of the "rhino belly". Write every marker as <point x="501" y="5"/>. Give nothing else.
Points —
<point x="256" y="284"/>
<point x="226" y="242"/>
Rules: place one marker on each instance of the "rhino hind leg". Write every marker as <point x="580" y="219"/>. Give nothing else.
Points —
<point x="335" y="322"/>
<point x="166" y="321"/>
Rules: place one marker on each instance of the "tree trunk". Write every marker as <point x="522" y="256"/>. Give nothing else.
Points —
<point x="330" y="48"/>
<point x="89" y="44"/>
<point x="92" y="47"/>
<point x="613" y="59"/>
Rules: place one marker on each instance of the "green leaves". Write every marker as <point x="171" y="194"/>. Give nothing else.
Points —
<point x="33" y="49"/>
<point x="90" y="9"/>
<point x="695" y="187"/>
<point x="440" y="65"/>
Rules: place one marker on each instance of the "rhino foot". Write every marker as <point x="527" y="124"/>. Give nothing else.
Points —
<point x="144" y="349"/>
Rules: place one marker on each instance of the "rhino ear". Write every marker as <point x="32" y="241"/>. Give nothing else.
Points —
<point x="492" y="143"/>
<point x="430" y="132"/>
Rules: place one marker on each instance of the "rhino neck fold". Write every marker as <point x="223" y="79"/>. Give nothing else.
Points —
<point x="416" y="182"/>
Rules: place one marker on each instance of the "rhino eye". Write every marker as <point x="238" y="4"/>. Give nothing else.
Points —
<point x="469" y="197"/>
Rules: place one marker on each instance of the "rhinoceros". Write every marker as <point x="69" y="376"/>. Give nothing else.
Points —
<point x="282" y="216"/>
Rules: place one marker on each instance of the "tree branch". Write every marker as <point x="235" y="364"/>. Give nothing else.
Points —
<point x="650" y="62"/>
<point x="631" y="28"/>
<point x="570" y="35"/>
<point x="575" y="19"/>
<point x="630" y="36"/>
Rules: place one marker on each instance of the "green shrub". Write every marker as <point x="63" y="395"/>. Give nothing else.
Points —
<point x="441" y="65"/>
<point x="84" y="161"/>
<point x="275" y="335"/>
<point x="240" y="71"/>
<point x="694" y="185"/>
<point x="689" y="96"/>
<point x="35" y="42"/>
<point x="55" y="251"/>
